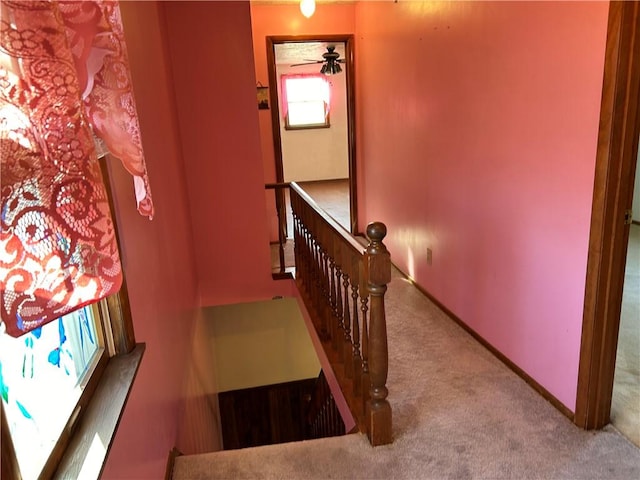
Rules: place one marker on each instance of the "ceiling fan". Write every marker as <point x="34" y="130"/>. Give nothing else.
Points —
<point x="331" y="62"/>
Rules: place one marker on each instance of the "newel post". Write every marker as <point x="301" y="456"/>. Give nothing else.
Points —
<point x="378" y="275"/>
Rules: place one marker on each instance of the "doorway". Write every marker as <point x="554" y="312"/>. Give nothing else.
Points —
<point x="323" y="159"/>
<point x="611" y="215"/>
<point x="625" y="402"/>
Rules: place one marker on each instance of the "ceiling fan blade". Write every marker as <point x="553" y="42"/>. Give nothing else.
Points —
<point x="308" y="63"/>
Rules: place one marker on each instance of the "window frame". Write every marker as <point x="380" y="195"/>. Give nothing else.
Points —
<point x="286" y="103"/>
<point x="120" y="345"/>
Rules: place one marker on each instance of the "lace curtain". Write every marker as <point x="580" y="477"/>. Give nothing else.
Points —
<point x="64" y="77"/>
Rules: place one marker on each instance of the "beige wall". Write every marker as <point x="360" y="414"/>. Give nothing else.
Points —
<point x="319" y="153"/>
<point x="259" y="343"/>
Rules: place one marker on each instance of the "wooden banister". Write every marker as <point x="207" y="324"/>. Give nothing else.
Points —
<point x="343" y="284"/>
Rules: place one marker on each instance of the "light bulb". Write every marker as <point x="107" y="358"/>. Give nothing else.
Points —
<point x="307" y="7"/>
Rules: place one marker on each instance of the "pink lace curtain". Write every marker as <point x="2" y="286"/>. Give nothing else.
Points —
<point x="64" y="77"/>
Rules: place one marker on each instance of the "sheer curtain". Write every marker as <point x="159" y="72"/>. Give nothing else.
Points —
<point x="64" y="77"/>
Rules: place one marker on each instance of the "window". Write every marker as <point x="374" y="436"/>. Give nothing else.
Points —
<point x="306" y="101"/>
<point x="49" y="375"/>
<point x="43" y="374"/>
<point x="58" y="242"/>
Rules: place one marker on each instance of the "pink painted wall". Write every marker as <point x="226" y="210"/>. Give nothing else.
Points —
<point x="479" y="143"/>
<point x="215" y="89"/>
<point x="158" y="260"/>
<point x="478" y="140"/>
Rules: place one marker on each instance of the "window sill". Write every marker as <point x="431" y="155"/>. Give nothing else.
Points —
<point x="307" y="127"/>
<point x="87" y="452"/>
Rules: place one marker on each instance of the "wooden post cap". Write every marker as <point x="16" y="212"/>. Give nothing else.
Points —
<point x="376" y="231"/>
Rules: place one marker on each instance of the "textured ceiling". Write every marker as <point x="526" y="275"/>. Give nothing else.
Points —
<point x="300" y="52"/>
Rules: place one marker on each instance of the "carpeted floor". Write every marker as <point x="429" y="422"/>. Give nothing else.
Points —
<point x="625" y="404"/>
<point x="459" y="413"/>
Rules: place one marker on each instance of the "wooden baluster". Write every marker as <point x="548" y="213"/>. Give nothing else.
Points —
<point x="309" y="262"/>
<point x="313" y="257"/>
<point x="322" y="298"/>
<point x="378" y="275"/>
<point x="336" y="275"/>
<point x="329" y="416"/>
<point x="301" y="268"/>
<point x="305" y="258"/>
<point x="320" y="293"/>
<point x="325" y="280"/>
<point x="300" y="255"/>
<point x="296" y="239"/>
<point x="357" y="358"/>
<point x="338" y="312"/>
<point x="325" y="420"/>
<point x="315" y="287"/>
<point x="347" y="347"/>
<point x="331" y="270"/>
<point x="297" y="228"/>
<point x="364" y="308"/>
<point x="282" y="226"/>
<point x="326" y="295"/>
<point x="315" y="282"/>
<point x="316" y="265"/>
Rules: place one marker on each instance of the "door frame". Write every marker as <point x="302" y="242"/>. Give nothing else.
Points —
<point x="348" y="40"/>
<point x="612" y="196"/>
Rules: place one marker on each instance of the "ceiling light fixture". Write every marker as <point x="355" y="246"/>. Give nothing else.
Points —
<point x="307" y="7"/>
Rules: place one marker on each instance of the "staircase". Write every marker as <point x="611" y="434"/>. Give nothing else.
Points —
<point x="458" y="413"/>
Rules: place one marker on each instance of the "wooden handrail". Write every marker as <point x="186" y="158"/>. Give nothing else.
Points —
<point x="343" y="284"/>
<point x="275" y="186"/>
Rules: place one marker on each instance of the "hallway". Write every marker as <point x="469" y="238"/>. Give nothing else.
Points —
<point x="458" y="413"/>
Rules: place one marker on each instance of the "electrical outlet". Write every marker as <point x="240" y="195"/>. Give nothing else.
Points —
<point x="429" y="256"/>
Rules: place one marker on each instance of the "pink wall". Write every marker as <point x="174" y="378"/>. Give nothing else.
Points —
<point x="158" y="261"/>
<point x="215" y="88"/>
<point x="478" y="141"/>
<point x="201" y="140"/>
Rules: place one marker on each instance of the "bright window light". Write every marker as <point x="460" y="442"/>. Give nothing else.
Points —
<point x="307" y="101"/>
<point x="41" y="379"/>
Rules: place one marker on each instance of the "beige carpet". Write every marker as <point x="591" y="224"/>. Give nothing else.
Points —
<point x="625" y="405"/>
<point x="459" y="413"/>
